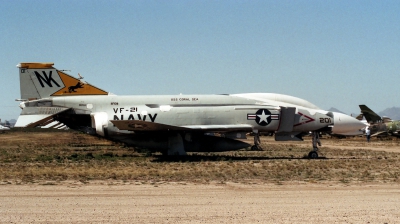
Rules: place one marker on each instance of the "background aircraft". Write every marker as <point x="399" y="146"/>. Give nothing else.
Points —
<point x="172" y="124"/>
<point x="4" y="128"/>
<point x="380" y="126"/>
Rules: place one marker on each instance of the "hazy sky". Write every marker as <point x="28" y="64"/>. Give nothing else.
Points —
<point x="331" y="53"/>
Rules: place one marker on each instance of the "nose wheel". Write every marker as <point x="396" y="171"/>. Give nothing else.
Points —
<point x="313" y="155"/>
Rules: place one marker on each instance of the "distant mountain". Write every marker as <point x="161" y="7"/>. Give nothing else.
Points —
<point x="393" y="113"/>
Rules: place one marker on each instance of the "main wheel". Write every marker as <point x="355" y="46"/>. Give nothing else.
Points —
<point x="313" y="155"/>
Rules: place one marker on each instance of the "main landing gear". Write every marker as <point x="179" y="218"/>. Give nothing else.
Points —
<point x="315" y="142"/>
<point x="257" y="142"/>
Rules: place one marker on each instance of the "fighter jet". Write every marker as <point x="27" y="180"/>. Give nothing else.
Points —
<point x="380" y="126"/>
<point x="172" y="124"/>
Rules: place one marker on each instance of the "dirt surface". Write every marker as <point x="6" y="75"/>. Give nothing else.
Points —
<point x="206" y="203"/>
<point x="351" y="143"/>
<point x="68" y="177"/>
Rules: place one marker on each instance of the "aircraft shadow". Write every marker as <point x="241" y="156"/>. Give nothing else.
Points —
<point x="218" y="158"/>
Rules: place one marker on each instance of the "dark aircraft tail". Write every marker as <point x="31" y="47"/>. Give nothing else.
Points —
<point x="369" y="115"/>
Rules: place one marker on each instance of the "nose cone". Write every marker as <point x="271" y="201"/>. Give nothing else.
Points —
<point x="346" y="124"/>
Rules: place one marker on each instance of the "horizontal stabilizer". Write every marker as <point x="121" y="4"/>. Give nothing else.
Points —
<point x="37" y="116"/>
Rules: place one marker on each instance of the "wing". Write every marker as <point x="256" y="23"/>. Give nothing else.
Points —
<point x="137" y="125"/>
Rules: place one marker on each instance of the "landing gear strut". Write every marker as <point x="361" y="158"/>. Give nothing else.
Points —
<point x="315" y="142"/>
<point x="257" y="141"/>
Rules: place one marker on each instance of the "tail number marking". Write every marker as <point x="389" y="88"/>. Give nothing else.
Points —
<point x="46" y="79"/>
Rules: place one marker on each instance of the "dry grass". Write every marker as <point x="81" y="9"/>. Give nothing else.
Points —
<point x="39" y="157"/>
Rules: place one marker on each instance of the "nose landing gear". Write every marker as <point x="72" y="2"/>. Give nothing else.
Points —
<point x="311" y="155"/>
<point x="315" y="142"/>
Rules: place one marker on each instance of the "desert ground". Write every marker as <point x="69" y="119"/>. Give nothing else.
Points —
<point x="69" y="177"/>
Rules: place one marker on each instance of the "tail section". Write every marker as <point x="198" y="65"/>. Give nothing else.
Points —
<point x="41" y="80"/>
<point x="369" y="115"/>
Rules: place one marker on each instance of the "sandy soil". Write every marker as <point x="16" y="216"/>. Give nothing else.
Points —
<point x="375" y="144"/>
<point x="190" y="203"/>
<point x="134" y="202"/>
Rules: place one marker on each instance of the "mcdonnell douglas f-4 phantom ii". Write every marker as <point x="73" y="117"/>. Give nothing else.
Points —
<point x="172" y="124"/>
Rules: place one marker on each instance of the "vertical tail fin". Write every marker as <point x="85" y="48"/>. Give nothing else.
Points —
<point x="369" y="114"/>
<point x="41" y="80"/>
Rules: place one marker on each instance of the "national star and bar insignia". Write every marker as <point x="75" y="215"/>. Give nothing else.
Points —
<point x="263" y="117"/>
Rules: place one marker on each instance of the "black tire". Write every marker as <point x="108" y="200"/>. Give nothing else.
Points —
<point x="313" y="155"/>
